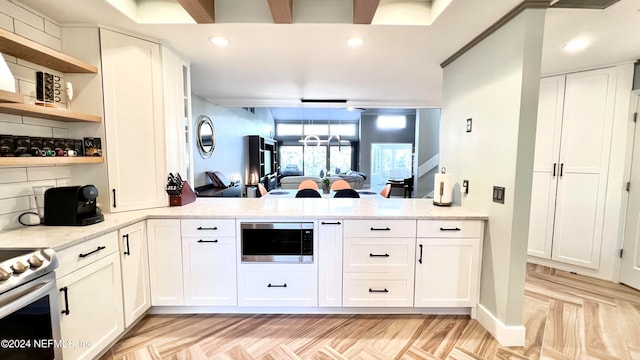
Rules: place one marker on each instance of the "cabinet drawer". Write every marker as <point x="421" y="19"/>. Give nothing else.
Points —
<point x="374" y="290"/>
<point x="380" y="228"/>
<point x="260" y="286"/>
<point x="449" y="228"/>
<point x="208" y="227"/>
<point x="379" y="255"/>
<point x="77" y="256"/>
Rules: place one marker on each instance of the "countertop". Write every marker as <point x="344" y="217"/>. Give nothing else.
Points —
<point x="60" y="237"/>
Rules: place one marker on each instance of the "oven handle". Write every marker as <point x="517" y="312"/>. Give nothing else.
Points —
<point x="18" y="298"/>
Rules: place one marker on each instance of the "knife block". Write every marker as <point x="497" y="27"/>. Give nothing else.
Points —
<point x="187" y="196"/>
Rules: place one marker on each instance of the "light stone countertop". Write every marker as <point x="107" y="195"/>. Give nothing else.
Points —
<point x="60" y="237"/>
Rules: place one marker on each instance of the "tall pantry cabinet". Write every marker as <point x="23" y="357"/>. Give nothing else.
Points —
<point x="571" y="167"/>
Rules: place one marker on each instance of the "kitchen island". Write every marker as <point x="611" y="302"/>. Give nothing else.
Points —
<point x="368" y="255"/>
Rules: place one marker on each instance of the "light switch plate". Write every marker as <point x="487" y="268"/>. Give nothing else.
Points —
<point x="469" y="121"/>
<point x="498" y="194"/>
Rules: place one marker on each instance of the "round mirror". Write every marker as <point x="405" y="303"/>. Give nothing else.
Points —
<point x="206" y="136"/>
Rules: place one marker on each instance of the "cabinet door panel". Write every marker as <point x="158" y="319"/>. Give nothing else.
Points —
<point x="541" y="218"/>
<point x="132" y="81"/>
<point x="165" y="262"/>
<point x="330" y="263"/>
<point x="135" y="271"/>
<point x="94" y="295"/>
<point x="449" y="272"/>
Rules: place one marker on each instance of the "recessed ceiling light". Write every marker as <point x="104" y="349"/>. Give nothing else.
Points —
<point x="576" y="45"/>
<point x="355" y="41"/>
<point x="218" y="40"/>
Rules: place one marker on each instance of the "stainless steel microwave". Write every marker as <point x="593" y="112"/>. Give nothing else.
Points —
<point x="277" y="242"/>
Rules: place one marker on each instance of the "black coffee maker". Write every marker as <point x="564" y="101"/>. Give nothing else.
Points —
<point x="71" y="206"/>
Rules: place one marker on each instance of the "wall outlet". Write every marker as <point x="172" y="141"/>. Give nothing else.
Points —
<point x="469" y="121"/>
<point x="498" y="194"/>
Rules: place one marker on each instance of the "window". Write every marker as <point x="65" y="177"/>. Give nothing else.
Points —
<point x="390" y="161"/>
<point x="311" y="160"/>
<point x="391" y="122"/>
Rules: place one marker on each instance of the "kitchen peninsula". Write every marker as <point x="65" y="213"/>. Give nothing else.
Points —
<point x="368" y="255"/>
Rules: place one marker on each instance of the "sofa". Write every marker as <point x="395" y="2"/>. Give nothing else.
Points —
<point x="292" y="182"/>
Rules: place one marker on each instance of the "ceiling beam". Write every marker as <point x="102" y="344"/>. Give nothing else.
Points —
<point x="200" y="10"/>
<point x="363" y="11"/>
<point x="281" y="11"/>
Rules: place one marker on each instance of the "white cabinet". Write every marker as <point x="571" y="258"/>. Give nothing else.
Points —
<point x="378" y="263"/>
<point x="209" y="262"/>
<point x="330" y="263"/>
<point x="573" y="142"/>
<point x="135" y="271"/>
<point x="134" y="121"/>
<point x="448" y="263"/>
<point x="90" y="298"/>
<point x="277" y="285"/>
<point x="165" y="262"/>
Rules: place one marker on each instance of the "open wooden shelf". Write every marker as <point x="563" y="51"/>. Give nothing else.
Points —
<point x="50" y="160"/>
<point x="23" y="48"/>
<point x="44" y="112"/>
<point x="10" y="97"/>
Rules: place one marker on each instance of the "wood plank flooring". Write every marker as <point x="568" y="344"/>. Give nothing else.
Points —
<point x="566" y="316"/>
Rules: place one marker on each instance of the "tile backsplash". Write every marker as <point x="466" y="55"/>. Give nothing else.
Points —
<point x="16" y="195"/>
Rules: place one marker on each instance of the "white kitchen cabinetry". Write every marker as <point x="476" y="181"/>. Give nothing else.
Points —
<point x="134" y="121"/>
<point x="209" y="262"/>
<point x="90" y="297"/>
<point x="573" y="143"/>
<point x="447" y="263"/>
<point x="330" y="263"/>
<point x="378" y="263"/>
<point x="135" y="271"/>
<point x="165" y="262"/>
<point x="277" y="285"/>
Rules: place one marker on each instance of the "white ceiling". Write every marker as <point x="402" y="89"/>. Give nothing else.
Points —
<point x="398" y="66"/>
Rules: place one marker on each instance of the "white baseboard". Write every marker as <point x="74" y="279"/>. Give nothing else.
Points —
<point x="506" y="335"/>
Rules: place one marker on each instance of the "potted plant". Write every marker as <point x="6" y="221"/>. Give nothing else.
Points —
<point x="326" y="184"/>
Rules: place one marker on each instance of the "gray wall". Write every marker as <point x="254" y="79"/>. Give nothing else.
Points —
<point x="231" y="125"/>
<point x="427" y="146"/>
<point x="496" y="83"/>
<point x="370" y="134"/>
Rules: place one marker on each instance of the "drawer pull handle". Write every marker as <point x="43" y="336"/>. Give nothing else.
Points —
<point x="378" y="291"/>
<point x="379" y="255"/>
<point x="420" y="259"/>
<point x="208" y="241"/>
<point x="94" y="251"/>
<point x="331" y="223"/>
<point x="380" y="229"/>
<point x="66" y="301"/>
<point x="450" y="229"/>
<point x="277" y="285"/>
<point x="207" y="228"/>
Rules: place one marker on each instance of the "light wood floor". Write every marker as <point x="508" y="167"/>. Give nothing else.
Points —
<point x="567" y="317"/>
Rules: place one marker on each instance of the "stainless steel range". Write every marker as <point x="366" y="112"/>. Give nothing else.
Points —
<point x="29" y="313"/>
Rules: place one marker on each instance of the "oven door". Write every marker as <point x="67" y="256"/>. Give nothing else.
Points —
<point x="29" y="321"/>
<point x="275" y="242"/>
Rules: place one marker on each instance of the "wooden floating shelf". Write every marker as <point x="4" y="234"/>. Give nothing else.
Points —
<point x="50" y="160"/>
<point x="44" y="112"/>
<point x="23" y="48"/>
<point x="10" y="97"/>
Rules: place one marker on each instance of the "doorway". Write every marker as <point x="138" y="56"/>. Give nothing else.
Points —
<point x="390" y="161"/>
<point x="630" y="268"/>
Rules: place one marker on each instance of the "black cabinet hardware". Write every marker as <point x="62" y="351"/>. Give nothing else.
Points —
<point x="379" y="255"/>
<point x="561" y="169"/>
<point x="208" y="241"/>
<point x="554" y="169"/>
<point x="126" y="238"/>
<point x="380" y="229"/>
<point x="420" y="259"/>
<point x="114" y="197"/>
<point x="277" y="285"/>
<point x="378" y="291"/>
<point x="207" y="228"/>
<point x="94" y="251"/>
<point x="331" y="223"/>
<point x="66" y="301"/>
<point x="450" y="229"/>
